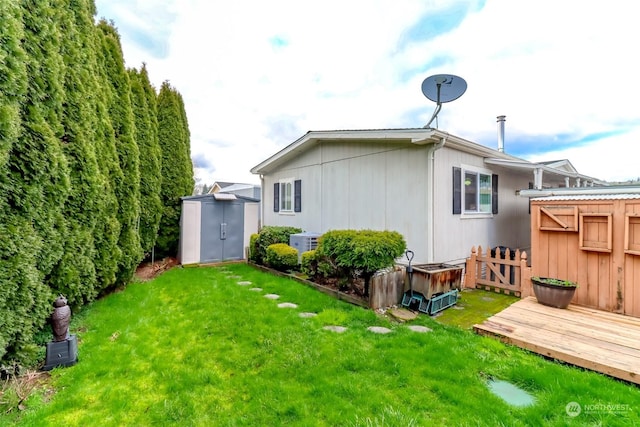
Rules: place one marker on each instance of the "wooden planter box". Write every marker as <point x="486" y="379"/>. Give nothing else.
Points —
<point x="434" y="279"/>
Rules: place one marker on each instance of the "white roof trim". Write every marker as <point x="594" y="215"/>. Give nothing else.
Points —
<point x="525" y="165"/>
<point x="418" y="136"/>
<point x="224" y="196"/>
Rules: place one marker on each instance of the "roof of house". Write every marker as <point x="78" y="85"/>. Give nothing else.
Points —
<point x="419" y="136"/>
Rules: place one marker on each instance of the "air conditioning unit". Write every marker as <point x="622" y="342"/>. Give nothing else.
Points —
<point x="304" y="242"/>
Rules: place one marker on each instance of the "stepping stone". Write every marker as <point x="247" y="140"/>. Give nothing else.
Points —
<point x="403" y="314"/>
<point x="338" y="329"/>
<point x="256" y="289"/>
<point x="418" y="328"/>
<point x="457" y="307"/>
<point x="272" y="296"/>
<point x="287" y="305"/>
<point x="245" y="283"/>
<point x="307" y="315"/>
<point x="379" y="330"/>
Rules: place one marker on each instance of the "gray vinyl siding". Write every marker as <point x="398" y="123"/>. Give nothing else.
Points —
<point x="355" y="184"/>
<point x="456" y="234"/>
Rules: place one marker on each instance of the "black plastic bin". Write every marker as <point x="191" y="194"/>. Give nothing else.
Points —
<point x="503" y="255"/>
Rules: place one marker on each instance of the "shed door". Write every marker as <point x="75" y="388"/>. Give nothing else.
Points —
<point x="222" y="231"/>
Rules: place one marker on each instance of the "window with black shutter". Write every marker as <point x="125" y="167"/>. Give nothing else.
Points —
<point x="276" y="197"/>
<point x="457" y="191"/>
<point x="297" y="195"/>
<point x="494" y="194"/>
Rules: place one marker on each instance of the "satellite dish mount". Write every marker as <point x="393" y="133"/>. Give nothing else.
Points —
<point x="441" y="88"/>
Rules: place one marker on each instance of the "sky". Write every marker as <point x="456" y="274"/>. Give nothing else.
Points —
<point x="257" y="75"/>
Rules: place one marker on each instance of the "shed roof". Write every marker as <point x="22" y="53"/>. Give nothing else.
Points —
<point x="623" y="196"/>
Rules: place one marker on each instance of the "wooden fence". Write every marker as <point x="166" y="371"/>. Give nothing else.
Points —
<point x="503" y="271"/>
<point x="386" y="289"/>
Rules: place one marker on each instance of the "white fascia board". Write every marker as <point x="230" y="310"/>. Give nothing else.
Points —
<point x="310" y="137"/>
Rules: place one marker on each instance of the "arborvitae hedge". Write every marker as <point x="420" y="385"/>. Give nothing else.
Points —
<point x="71" y="180"/>
<point x="38" y="179"/>
<point x="75" y="274"/>
<point x="122" y="120"/>
<point x="144" y="102"/>
<point x="177" y="169"/>
<point x="21" y="288"/>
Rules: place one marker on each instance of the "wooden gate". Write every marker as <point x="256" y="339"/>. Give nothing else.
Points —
<point x="498" y="269"/>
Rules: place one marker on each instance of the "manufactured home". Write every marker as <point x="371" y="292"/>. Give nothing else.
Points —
<point x="443" y="193"/>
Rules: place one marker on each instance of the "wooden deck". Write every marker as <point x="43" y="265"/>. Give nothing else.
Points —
<point x="597" y="340"/>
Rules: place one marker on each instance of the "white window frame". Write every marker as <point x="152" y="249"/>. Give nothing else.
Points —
<point x="477" y="206"/>
<point x="284" y="201"/>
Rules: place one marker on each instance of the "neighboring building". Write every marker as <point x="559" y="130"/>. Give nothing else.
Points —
<point x="444" y="194"/>
<point x="243" y="190"/>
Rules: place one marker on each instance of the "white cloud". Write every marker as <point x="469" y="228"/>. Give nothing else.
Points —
<point x="256" y="75"/>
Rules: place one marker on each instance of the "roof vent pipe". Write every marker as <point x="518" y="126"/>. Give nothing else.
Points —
<point x="501" y="120"/>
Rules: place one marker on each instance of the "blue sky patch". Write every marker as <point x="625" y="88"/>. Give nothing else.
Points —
<point x="524" y="145"/>
<point x="278" y="42"/>
<point x="432" y="24"/>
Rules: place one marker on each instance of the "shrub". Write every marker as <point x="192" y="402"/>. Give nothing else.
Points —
<point x="268" y="236"/>
<point x="309" y="263"/>
<point x="314" y="265"/>
<point x="361" y="252"/>
<point x="282" y="257"/>
<point x="253" y="247"/>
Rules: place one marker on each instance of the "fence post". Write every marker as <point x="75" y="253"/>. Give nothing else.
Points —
<point x="470" y="270"/>
<point x="525" y="277"/>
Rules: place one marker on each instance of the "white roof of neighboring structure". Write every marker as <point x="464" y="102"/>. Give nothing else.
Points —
<point x="590" y="197"/>
<point x="585" y="193"/>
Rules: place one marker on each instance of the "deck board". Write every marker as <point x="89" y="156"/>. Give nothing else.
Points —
<point x="605" y="342"/>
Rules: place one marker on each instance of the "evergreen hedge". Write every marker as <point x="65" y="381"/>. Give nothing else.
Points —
<point x="78" y="204"/>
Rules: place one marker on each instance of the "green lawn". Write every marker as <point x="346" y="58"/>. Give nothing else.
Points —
<point x="195" y="348"/>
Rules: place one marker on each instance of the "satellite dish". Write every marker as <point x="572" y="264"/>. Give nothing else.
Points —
<point x="441" y="88"/>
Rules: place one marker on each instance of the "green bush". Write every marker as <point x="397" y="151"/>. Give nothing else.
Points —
<point x="361" y="253"/>
<point x="253" y="247"/>
<point x="282" y="257"/>
<point x="309" y="263"/>
<point x="268" y="236"/>
<point x="316" y="265"/>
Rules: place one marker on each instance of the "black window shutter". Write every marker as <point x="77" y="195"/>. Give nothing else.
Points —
<point x="297" y="195"/>
<point x="494" y="194"/>
<point x="276" y="197"/>
<point x="457" y="191"/>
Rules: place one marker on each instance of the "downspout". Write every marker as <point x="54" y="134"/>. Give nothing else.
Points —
<point x="431" y="186"/>
<point x="262" y="202"/>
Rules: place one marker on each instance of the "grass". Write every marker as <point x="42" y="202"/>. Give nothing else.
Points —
<point x="194" y="348"/>
<point x="475" y="306"/>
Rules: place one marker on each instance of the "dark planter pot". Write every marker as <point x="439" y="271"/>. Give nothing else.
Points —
<point x="558" y="296"/>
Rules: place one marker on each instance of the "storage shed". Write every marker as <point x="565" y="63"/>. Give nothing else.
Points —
<point x="590" y="236"/>
<point x="216" y="227"/>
